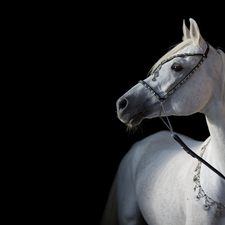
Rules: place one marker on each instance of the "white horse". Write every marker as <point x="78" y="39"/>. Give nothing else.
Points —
<point x="154" y="183"/>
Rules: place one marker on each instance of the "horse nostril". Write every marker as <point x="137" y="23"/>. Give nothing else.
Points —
<point x="123" y="104"/>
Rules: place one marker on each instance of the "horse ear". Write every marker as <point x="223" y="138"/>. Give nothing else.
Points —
<point x="186" y="32"/>
<point x="195" y="33"/>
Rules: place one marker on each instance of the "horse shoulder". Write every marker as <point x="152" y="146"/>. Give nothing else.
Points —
<point x="145" y="147"/>
<point x="158" y="146"/>
<point x="128" y="209"/>
<point x="153" y="166"/>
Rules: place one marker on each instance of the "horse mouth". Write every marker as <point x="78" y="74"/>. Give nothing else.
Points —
<point x="136" y="119"/>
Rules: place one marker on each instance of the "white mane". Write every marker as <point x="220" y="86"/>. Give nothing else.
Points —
<point x="173" y="51"/>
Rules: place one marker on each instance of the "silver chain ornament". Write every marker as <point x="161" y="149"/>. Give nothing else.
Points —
<point x="201" y="193"/>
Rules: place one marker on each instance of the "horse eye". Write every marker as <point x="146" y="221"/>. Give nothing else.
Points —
<point x="177" y="67"/>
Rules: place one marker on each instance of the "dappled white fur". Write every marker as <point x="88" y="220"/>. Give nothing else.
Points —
<point x="222" y="55"/>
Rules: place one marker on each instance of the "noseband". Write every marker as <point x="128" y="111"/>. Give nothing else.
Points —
<point x="170" y="92"/>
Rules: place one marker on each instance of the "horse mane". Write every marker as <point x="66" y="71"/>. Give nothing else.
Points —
<point x="173" y="51"/>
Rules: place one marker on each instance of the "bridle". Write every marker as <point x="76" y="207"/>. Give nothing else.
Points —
<point x="170" y="92"/>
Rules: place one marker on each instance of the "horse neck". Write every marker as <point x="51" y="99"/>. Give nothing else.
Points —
<point x="215" y="153"/>
<point x="213" y="185"/>
<point x="216" y="117"/>
<point x="216" y="125"/>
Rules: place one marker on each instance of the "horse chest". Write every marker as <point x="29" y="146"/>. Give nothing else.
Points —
<point x="165" y="195"/>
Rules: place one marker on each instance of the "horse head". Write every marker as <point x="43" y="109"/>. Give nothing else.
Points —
<point x="167" y="77"/>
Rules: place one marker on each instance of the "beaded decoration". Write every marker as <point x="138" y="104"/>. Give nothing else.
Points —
<point x="201" y="193"/>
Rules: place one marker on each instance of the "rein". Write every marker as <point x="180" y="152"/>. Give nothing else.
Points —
<point x="169" y="93"/>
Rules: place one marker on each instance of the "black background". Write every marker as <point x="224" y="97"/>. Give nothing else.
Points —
<point x="123" y="44"/>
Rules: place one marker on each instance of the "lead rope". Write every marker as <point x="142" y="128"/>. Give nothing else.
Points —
<point x="169" y="124"/>
<point x="201" y="194"/>
<point x="183" y="145"/>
